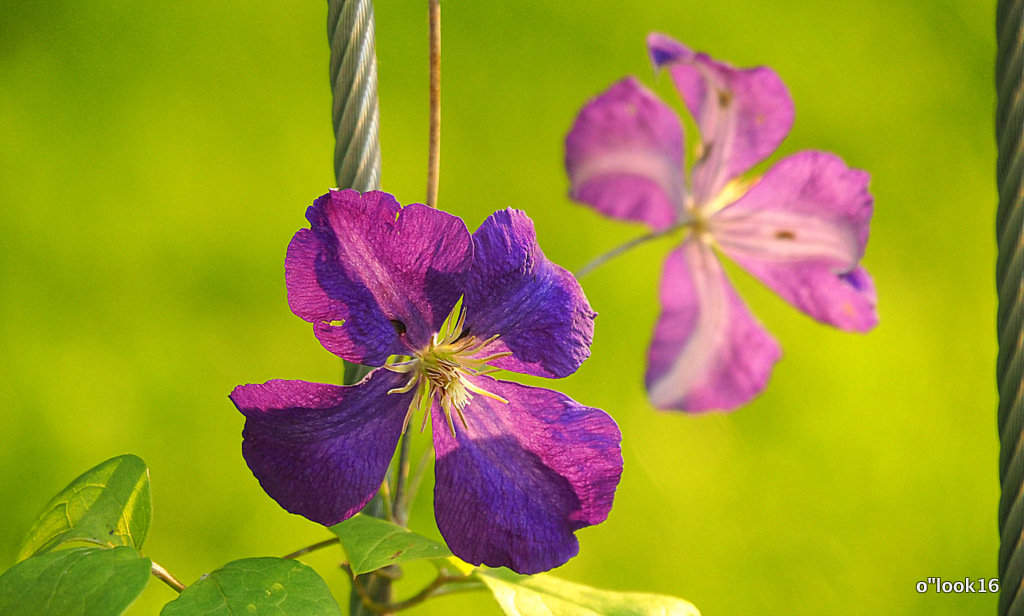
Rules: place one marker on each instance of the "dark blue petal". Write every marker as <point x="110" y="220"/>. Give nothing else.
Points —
<point x="321" y="451"/>
<point x="537" y="308"/>
<point x="513" y="486"/>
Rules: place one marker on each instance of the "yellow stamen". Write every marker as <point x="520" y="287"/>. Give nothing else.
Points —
<point x="442" y="370"/>
<point x="485" y="393"/>
<point x="401" y="390"/>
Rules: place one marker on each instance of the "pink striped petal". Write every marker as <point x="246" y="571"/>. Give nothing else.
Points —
<point x="742" y="114"/>
<point x="801" y="230"/>
<point x="624" y="156"/>
<point x="708" y="351"/>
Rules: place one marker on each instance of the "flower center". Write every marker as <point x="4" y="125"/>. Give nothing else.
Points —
<point x="441" y="369"/>
<point x="698" y="218"/>
<point x="729" y="194"/>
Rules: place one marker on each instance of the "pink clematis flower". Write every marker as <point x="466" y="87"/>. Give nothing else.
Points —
<point x="801" y="228"/>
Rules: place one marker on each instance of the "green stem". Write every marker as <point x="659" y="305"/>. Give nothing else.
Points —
<point x="378" y="587"/>
<point x="312" y="548"/>
<point x="443" y="584"/>
<point x="618" y="250"/>
<point x="385" y="498"/>
<point x="399" y="507"/>
<point x="417" y="477"/>
<point x="354" y="372"/>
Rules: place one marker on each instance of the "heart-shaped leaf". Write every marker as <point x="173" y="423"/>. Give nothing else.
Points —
<point x="256" y="586"/>
<point x="108" y="505"/>
<point x="83" y="581"/>
<point x="371" y="544"/>
<point x="544" y="594"/>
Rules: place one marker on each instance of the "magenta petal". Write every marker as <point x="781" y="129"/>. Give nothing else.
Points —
<point x="515" y="484"/>
<point x="624" y="156"/>
<point x="802" y="230"/>
<point x="381" y="268"/>
<point x="538" y="308"/>
<point x="742" y="114"/>
<point x="321" y="451"/>
<point x="708" y="351"/>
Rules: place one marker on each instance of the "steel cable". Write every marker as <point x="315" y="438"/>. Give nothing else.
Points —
<point x="355" y="112"/>
<point x="1010" y="289"/>
<point x="356" y="117"/>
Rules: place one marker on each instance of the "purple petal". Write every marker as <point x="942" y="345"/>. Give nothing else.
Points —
<point x="392" y="274"/>
<point x="512" y="488"/>
<point x="624" y="156"/>
<point x="708" y="351"/>
<point x="321" y="451"/>
<point x="802" y="230"/>
<point x="742" y="114"/>
<point x="536" y="307"/>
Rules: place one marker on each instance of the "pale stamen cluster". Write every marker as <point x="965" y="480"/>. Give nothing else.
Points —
<point x="442" y="368"/>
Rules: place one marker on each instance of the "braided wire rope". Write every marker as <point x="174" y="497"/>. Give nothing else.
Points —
<point x="1010" y="289"/>
<point x="356" y="117"/>
<point x="355" y="111"/>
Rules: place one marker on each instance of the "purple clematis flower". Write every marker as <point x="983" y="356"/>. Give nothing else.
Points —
<point x="519" y="469"/>
<point x="801" y="228"/>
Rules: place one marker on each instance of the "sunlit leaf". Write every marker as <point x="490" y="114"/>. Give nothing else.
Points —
<point x="83" y="581"/>
<point x="544" y="594"/>
<point x="274" y="586"/>
<point x="108" y="505"/>
<point x="460" y="565"/>
<point x="371" y="544"/>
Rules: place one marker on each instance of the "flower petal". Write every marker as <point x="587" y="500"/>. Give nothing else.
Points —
<point x="536" y="307"/>
<point x="742" y="114"/>
<point x="321" y="451"/>
<point x="624" y="156"/>
<point x="801" y="230"/>
<point x="513" y="486"/>
<point x="388" y="272"/>
<point x="708" y="351"/>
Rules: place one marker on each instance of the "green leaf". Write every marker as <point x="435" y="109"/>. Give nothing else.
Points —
<point x="544" y="594"/>
<point x="108" y="505"/>
<point x="83" y="581"/>
<point x="259" y="586"/>
<point x="371" y="544"/>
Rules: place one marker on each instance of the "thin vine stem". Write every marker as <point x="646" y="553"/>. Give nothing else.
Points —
<point x="399" y="507"/>
<point x="312" y="548"/>
<point x="618" y="250"/>
<point x="443" y="584"/>
<point x="165" y="576"/>
<point x="434" y="155"/>
<point x="417" y="477"/>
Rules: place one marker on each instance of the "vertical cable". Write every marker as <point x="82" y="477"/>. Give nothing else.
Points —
<point x="1010" y="289"/>
<point x="356" y="118"/>
<point x="355" y="112"/>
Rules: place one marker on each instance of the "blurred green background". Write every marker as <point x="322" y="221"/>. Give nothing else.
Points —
<point x="156" y="158"/>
